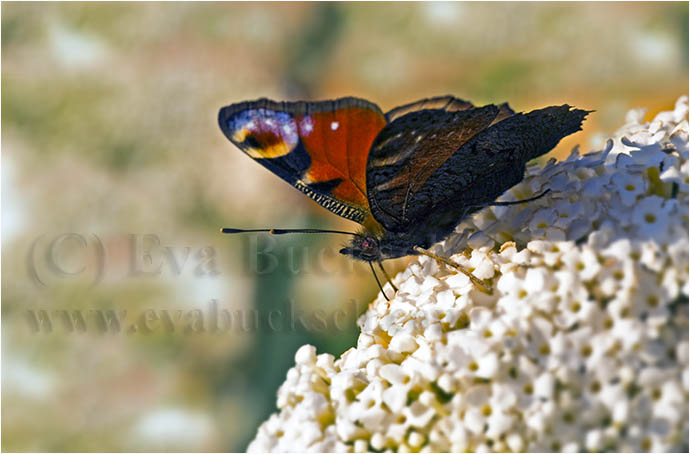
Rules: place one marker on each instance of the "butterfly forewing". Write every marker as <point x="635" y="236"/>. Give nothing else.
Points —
<point x="320" y="148"/>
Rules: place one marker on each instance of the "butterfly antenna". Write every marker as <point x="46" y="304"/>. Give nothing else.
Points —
<point x="284" y="231"/>
<point x="388" y="278"/>
<point x="377" y="281"/>
<point x="517" y="202"/>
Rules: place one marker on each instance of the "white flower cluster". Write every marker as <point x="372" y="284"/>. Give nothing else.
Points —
<point x="581" y="346"/>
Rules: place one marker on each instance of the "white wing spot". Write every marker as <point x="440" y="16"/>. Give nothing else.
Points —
<point x="307" y="125"/>
<point x="334" y="125"/>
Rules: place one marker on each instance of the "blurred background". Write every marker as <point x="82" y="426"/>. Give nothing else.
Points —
<point x="128" y="322"/>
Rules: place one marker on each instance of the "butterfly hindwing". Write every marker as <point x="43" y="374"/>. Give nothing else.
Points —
<point x="320" y="148"/>
<point x="495" y="159"/>
<point x="429" y="169"/>
<point x="409" y="150"/>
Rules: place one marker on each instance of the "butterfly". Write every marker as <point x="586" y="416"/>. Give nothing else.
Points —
<point x="408" y="176"/>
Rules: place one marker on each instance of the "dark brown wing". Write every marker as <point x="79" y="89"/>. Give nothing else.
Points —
<point x="429" y="169"/>
<point x="410" y="149"/>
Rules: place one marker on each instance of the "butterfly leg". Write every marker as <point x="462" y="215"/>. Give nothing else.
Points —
<point x="388" y="278"/>
<point x="516" y="202"/>
<point x="475" y="280"/>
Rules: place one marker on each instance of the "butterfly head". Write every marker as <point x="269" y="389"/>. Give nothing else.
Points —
<point x="364" y="247"/>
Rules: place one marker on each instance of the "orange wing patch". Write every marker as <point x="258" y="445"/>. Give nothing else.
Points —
<point x="338" y="143"/>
